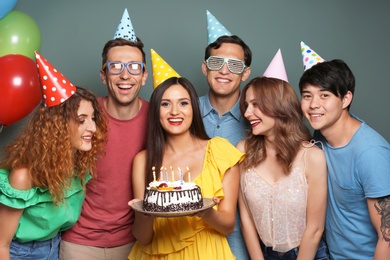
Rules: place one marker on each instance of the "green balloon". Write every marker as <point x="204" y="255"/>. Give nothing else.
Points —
<point x="19" y="34"/>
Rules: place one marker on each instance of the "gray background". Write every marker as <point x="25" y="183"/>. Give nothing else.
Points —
<point x="73" y="34"/>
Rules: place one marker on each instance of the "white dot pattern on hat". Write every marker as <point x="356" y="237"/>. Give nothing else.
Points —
<point x="161" y="69"/>
<point x="57" y="88"/>
<point x="214" y="28"/>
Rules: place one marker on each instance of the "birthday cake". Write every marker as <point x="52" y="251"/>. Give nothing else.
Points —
<point x="172" y="196"/>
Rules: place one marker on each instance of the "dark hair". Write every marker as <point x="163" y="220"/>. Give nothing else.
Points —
<point x="334" y="76"/>
<point x="277" y="99"/>
<point x="230" y="39"/>
<point x="156" y="136"/>
<point x="122" y="42"/>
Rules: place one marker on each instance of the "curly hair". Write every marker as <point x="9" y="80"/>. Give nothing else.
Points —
<point x="275" y="98"/>
<point x="44" y="146"/>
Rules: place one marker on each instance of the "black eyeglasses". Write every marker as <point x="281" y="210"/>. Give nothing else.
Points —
<point x="235" y="66"/>
<point x="134" y="67"/>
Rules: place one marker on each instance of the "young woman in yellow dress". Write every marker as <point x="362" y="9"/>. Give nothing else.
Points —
<point x="176" y="137"/>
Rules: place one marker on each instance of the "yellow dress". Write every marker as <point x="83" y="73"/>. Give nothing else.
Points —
<point x="190" y="237"/>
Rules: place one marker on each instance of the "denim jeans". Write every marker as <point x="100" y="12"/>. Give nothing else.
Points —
<point x="269" y="254"/>
<point x="36" y="250"/>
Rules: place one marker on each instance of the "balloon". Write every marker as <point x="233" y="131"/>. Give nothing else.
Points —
<point x="19" y="87"/>
<point x="19" y="34"/>
<point x="6" y="6"/>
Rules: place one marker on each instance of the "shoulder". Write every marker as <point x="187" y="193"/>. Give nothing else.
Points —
<point x="20" y="179"/>
<point x="314" y="154"/>
<point x="220" y="141"/>
<point x="241" y="146"/>
<point x="314" y="161"/>
<point x="140" y="156"/>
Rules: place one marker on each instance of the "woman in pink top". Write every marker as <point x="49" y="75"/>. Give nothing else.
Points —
<point x="283" y="177"/>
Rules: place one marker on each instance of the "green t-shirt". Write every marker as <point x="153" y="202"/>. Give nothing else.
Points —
<point x="41" y="219"/>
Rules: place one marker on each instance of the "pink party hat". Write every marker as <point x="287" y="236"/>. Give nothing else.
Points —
<point x="214" y="28"/>
<point x="55" y="87"/>
<point x="276" y="68"/>
<point x="161" y="69"/>
<point x="310" y="57"/>
<point x="125" y="28"/>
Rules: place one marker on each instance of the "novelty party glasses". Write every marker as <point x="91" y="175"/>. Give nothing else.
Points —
<point x="134" y="68"/>
<point x="235" y="66"/>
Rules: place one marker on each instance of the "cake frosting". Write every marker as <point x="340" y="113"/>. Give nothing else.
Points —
<point x="166" y="196"/>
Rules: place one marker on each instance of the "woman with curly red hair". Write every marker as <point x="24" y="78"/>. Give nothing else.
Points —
<point x="44" y="172"/>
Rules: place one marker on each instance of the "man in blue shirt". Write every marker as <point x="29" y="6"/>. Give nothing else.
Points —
<point x="358" y="159"/>
<point x="227" y="64"/>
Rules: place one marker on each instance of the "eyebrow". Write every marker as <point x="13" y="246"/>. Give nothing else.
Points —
<point x="180" y="99"/>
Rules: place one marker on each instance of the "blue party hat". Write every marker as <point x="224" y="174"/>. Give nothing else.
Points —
<point x="214" y="28"/>
<point x="125" y="28"/>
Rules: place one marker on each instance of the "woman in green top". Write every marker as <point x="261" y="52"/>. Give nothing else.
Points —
<point x="44" y="172"/>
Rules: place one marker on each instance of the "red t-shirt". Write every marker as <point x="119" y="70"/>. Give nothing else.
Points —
<point x="106" y="219"/>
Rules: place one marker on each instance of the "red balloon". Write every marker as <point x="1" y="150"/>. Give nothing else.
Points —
<point x="20" y="90"/>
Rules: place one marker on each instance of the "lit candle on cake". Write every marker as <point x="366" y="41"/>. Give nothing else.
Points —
<point x="154" y="173"/>
<point x="161" y="173"/>
<point x="189" y="174"/>
<point x="181" y="176"/>
<point x="166" y="174"/>
<point x="173" y="175"/>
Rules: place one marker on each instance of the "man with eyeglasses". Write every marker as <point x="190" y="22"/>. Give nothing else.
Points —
<point x="104" y="229"/>
<point x="227" y="64"/>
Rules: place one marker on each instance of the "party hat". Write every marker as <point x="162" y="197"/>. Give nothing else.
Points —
<point x="276" y="68"/>
<point x="161" y="69"/>
<point x="214" y="28"/>
<point x="55" y="87"/>
<point x="310" y="57"/>
<point x="125" y="28"/>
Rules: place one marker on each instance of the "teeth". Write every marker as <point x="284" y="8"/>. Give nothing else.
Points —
<point x="255" y="122"/>
<point x="223" y="80"/>
<point x="175" y="120"/>
<point x="124" y="86"/>
<point x="315" y="115"/>
<point x="87" y="137"/>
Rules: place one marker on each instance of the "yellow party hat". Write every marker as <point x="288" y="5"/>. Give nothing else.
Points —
<point x="161" y="69"/>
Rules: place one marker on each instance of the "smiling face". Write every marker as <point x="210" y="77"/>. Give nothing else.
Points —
<point x="123" y="88"/>
<point x="261" y="123"/>
<point x="223" y="82"/>
<point x="83" y="130"/>
<point x="322" y="108"/>
<point x="176" y="112"/>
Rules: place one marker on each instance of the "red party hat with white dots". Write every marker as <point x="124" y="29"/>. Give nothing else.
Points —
<point x="55" y="87"/>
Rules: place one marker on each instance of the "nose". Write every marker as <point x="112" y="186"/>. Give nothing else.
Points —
<point x="91" y="126"/>
<point x="224" y="69"/>
<point x="125" y="74"/>
<point x="174" y="109"/>
<point x="314" y="102"/>
<point x="248" y="112"/>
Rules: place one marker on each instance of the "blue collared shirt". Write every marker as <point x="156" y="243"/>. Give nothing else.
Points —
<point x="231" y="125"/>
